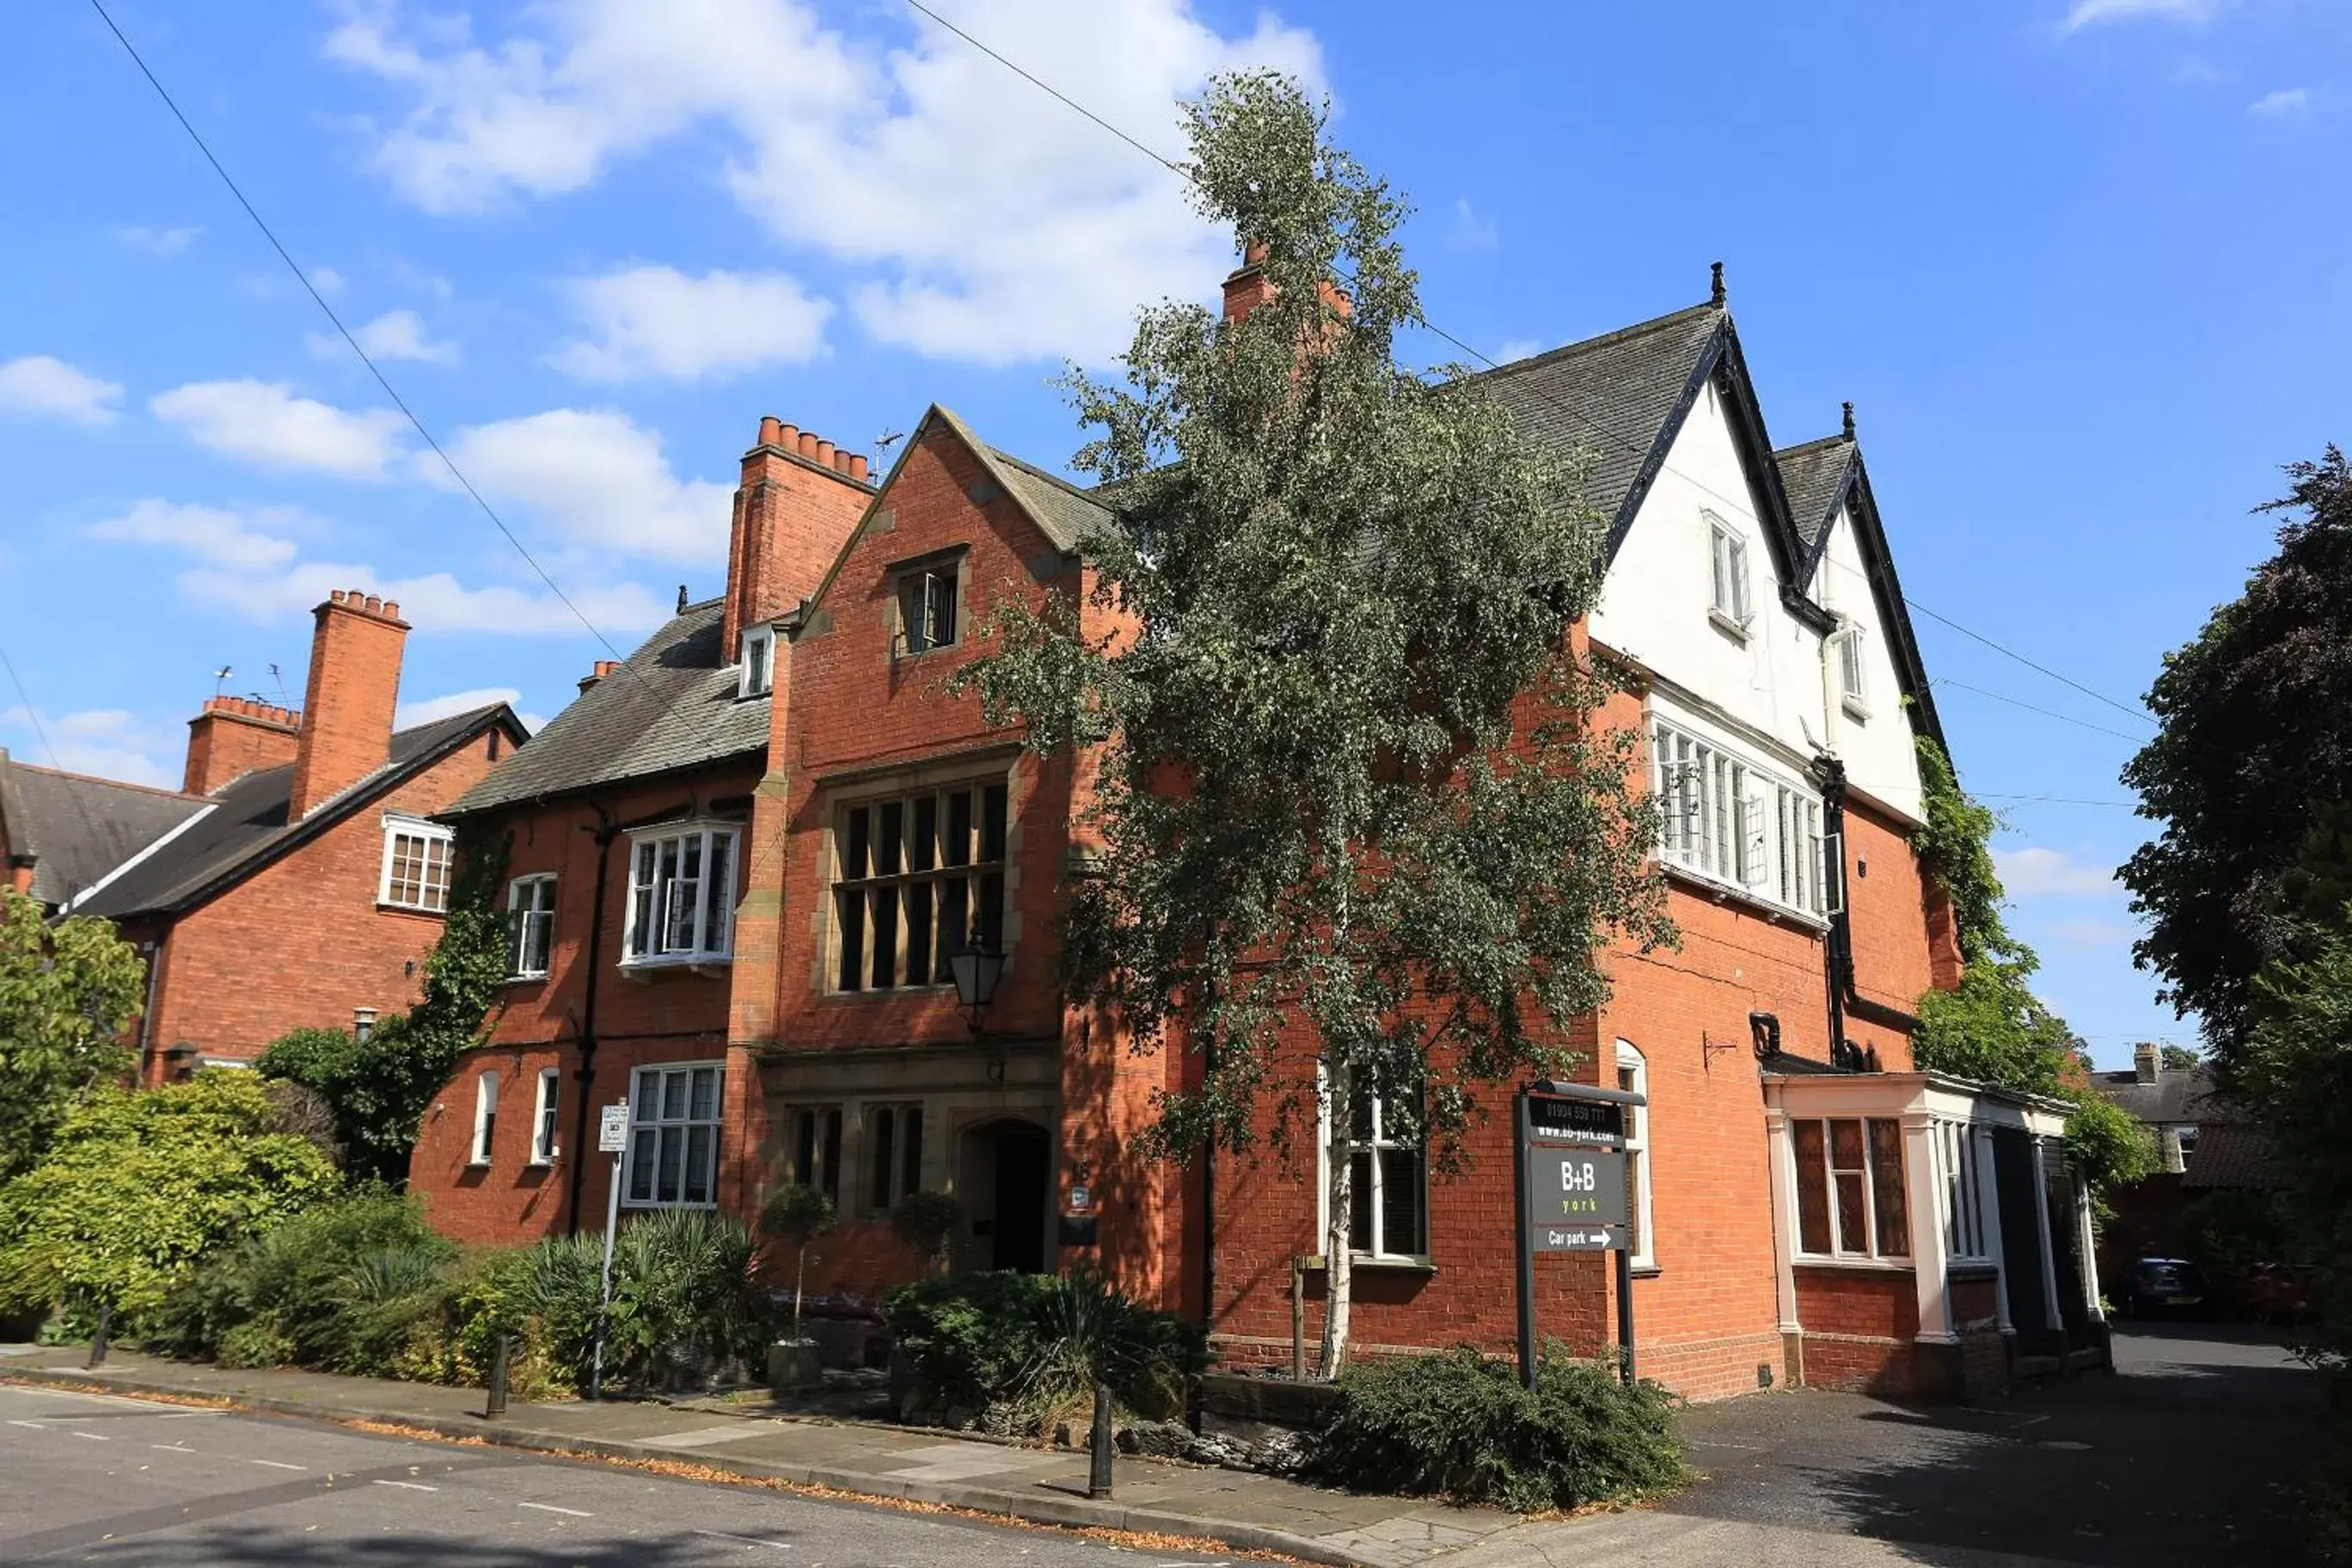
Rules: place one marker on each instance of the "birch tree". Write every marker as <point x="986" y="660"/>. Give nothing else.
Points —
<point x="1355" y="836"/>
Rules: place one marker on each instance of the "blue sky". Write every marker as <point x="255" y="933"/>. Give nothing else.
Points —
<point x="2074" y="260"/>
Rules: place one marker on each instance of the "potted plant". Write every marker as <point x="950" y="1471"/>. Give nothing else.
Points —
<point x="797" y="1215"/>
<point x="926" y="1221"/>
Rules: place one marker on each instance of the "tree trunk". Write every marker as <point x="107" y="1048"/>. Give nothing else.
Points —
<point x="1338" y="1274"/>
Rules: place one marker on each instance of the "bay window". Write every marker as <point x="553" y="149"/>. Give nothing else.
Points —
<point x="1850" y="1194"/>
<point x="417" y="856"/>
<point x="681" y="896"/>
<point x="1734" y="821"/>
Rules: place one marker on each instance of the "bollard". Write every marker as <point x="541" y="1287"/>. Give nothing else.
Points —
<point x="98" y="1339"/>
<point x="1098" y="1472"/>
<point x="495" y="1405"/>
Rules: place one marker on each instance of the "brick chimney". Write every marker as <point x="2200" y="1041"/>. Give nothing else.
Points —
<point x="1248" y="287"/>
<point x="799" y="500"/>
<point x="602" y="667"/>
<point x="234" y="736"/>
<point x="347" y="708"/>
<point x="2148" y="1062"/>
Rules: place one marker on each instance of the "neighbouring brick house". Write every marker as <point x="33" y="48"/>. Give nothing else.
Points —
<point x="308" y="879"/>
<point x="1806" y="1206"/>
<point x="60" y="832"/>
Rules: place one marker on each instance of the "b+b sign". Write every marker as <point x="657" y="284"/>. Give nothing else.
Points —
<point x="1576" y="1175"/>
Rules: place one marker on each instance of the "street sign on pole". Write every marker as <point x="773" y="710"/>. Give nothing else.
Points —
<point x="1571" y="1168"/>
<point x="612" y="1138"/>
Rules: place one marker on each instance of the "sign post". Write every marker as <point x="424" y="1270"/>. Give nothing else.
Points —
<point x="1570" y="1168"/>
<point x="612" y="1138"/>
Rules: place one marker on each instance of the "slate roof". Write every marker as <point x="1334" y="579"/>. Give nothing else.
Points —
<point x="79" y="828"/>
<point x="671" y="705"/>
<point x="1813" y="475"/>
<point x="2179" y="1094"/>
<point x="1609" y="396"/>
<point x="1066" y="514"/>
<point x="246" y="827"/>
<point x="2231" y="1155"/>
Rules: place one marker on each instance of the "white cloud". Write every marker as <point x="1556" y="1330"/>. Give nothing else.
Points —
<point x="223" y="538"/>
<point x="987" y="222"/>
<point x="395" y="334"/>
<point x="598" y="480"/>
<point x="2092" y="13"/>
<point x="156" y="241"/>
<point x="656" y="320"/>
<point x="426" y="710"/>
<point x="2287" y="103"/>
<point x="1471" y="230"/>
<point x="1521" y="348"/>
<point x="328" y="281"/>
<point x="37" y="384"/>
<point x="2036" y="872"/>
<point x="237" y="565"/>
<point x="107" y="742"/>
<point x="265" y="423"/>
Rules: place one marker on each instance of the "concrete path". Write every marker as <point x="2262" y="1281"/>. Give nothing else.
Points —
<point x="1241" y="1510"/>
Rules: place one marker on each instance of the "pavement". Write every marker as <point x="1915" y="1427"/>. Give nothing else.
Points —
<point x="1154" y="1499"/>
<point x="2195" y="1454"/>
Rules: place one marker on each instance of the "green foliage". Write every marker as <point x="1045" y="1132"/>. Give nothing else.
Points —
<point x="2180" y="1059"/>
<point x="2226" y="1232"/>
<point x="2107" y="1146"/>
<point x="2253" y="752"/>
<point x="1336" y="590"/>
<point x="379" y="1088"/>
<point x="798" y="1214"/>
<point x="1034" y="1340"/>
<point x="136" y="1188"/>
<point x="1462" y="1427"/>
<point x="926" y="1220"/>
<point x="685" y="1300"/>
<point x="1956" y="848"/>
<point x="68" y="993"/>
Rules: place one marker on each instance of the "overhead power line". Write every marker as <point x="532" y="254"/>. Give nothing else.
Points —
<point x="2033" y="708"/>
<point x="1475" y="353"/>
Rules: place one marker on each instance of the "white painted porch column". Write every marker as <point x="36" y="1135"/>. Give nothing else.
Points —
<point x="1989" y="1213"/>
<point x="2089" y="1237"/>
<point x="2041" y="1228"/>
<point x="1923" y="1198"/>
<point x="1782" y="1160"/>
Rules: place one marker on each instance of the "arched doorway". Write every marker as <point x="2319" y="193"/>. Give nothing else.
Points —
<point x="1005" y="1177"/>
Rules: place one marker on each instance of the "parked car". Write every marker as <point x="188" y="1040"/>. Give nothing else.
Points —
<point x="2162" y="1285"/>
<point x="2278" y="1292"/>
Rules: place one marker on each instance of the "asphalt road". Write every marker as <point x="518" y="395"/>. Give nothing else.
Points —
<point x="94" y="1478"/>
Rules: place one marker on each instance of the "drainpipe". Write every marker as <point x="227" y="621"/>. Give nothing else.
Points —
<point x="584" y="1074"/>
<point x="1837" y="950"/>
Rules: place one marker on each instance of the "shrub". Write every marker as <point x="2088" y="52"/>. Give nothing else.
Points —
<point x="924" y="1220"/>
<point x="1036" y="1340"/>
<point x="687" y="1305"/>
<point x="1461" y="1426"/>
<point x="798" y="1215"/>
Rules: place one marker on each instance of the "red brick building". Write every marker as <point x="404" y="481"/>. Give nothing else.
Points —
<point x="1805" y="1208"/>
<point x="308" y="879"/>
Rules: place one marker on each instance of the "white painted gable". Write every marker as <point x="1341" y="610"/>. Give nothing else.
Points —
<point x="1768" y="678"/>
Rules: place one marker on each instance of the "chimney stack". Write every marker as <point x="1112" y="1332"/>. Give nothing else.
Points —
<point x="799" y="500"/>
<point x="2147" y="1063"/>
<point x="234" y="736"/>
<point x="604" y="668"/>
<point x="1247" y="287"/>
<point x="347" y="708"/>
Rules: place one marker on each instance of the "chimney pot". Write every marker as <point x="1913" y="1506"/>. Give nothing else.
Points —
<point x="391" y="609"/>
<point x="788" y="436"/>
<point x="857" y="467"/>
<point x="825" y="453"/>
<point x="772" y="430"/>
<point x="336" y="595"/>
<point x="807" y="444"/>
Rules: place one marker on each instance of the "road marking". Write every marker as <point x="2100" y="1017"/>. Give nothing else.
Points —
<point x="551" y="1508"/>
<point x="93" y="1437"/>
<point x="173" y="1447"/>
<point x="409" y="1485"/>
<point x="278" y="1464"/>
<point x="34" y="1425"/>
<point x="186" y="1415"/>
<point x="746" y="1540"/>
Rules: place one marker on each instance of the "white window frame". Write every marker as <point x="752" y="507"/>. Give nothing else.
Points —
<point x="757" y="661"/>
<point x="531" y="907"/>
<point x="1365" y="1200"/>
<point x="1733" y="822"/>
<point x="1729" y="600"/>
<point x="545" y="1114"/>
<point x="656" y="1127"/>
<point x="1853" y="679"/>
<point x="1870" y="1251"/>
<point x="1633" y="1073"/>
<point x="931" y="592"/>
<point x="486" y="1116"/>
<point x="1966" y="1237"/>
<point x="429" y="834"/>
<point x="650" y="888"/>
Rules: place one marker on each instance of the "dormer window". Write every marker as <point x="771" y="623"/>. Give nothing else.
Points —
<point x="1727" y="558"/>
<point x="927" y="608"/>
<point x="759" y="661"/>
